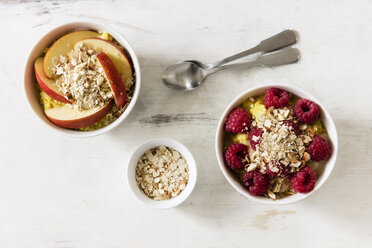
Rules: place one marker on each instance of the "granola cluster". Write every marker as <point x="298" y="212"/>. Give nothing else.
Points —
<point x="162" y="173"/>
<point x="279" y="142"/>
<point x="81" y="78"/>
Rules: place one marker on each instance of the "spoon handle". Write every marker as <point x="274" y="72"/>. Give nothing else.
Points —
<point x="282" y="57"/>
<point x="283" y="39"/>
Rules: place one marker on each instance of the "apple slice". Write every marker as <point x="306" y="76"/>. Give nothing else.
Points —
<point x="62" y="46"/>
<point x="115" y="81"/>
<point x="48" y="85"/>
<point x="72" y="118"/>
<point x="114" y="52"/>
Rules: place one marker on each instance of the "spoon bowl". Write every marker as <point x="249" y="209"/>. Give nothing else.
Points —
<point x="184" y="76"/>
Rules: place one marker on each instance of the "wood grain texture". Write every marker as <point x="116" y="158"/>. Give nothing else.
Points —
<point x="57" y="191"/>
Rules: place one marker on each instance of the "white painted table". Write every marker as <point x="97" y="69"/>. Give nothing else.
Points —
<point x="57" y="191"/>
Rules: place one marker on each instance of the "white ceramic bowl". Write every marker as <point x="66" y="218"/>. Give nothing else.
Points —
<point x="31" y="92"/>
<point x="131" y="173"/>
<point x="327" y="121"/>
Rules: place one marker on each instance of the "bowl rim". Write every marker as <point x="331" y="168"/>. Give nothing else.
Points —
<point x="132" y="164"/>
<point x="83" y="25"/>
<point x="236" y="185"/>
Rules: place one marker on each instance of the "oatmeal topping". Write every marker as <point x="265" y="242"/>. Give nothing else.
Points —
<point x="81" y="78"/>
<point x="162" y="173"/>
<point x="279" y="142"/>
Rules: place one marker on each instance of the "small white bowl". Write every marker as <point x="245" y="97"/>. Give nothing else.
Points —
<point x="32" y="94"/>
<point x="131" y="173"/>
<point x="327" y="121"/>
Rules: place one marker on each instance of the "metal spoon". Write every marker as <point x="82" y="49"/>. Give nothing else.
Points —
<point x="190" y="74"/>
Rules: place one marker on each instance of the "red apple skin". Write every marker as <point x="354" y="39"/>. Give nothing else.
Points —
<point x="47" y="85"/>
<point x="62" y="46"/>
<point x="127" y="72"/>
<point x="84" y="121"/>
<point x="115" y="81"/>
<point x="113" y="44"/>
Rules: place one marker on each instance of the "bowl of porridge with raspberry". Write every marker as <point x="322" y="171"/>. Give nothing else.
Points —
<point x="82" y="79"/>
<point x="276" y="144"/>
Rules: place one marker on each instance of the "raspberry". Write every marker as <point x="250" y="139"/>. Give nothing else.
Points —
<point x="235" y="155"/>
<point x="238" y="121"/>
<point x="319" y="149"/>
<point x="276" y="97"/>
<point x="255" y="136"/>
<point x="292" y="127"/>
<point x="304" y="180"/>
<point x="306" y="111"/>
<point x="276" y="169"/>
<point x="256" y="182"/>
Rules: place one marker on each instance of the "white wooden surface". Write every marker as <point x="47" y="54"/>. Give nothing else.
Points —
<point x="61" y="192"/>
